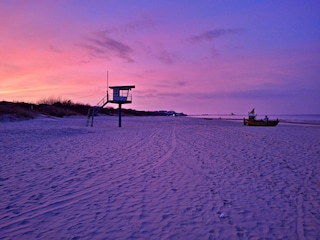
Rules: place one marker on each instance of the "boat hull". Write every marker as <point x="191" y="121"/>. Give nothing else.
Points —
<point x="260" y="123"/>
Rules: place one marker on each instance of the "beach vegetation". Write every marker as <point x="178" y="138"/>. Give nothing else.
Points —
<point x="57" y="107"/>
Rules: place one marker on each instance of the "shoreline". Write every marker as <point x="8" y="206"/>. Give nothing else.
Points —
<point x="241" y="119"/>
<point x="12" y="118"/>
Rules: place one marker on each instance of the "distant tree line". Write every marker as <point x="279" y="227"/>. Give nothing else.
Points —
<point x="61" y="108"/>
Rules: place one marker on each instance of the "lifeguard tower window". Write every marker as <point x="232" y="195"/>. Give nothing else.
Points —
<point x="120" y="95"/>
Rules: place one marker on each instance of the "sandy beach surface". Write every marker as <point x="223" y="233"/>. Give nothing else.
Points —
<point x="158" y="178"/>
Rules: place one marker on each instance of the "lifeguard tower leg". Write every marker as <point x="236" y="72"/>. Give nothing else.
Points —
<point x="120" y="114"/>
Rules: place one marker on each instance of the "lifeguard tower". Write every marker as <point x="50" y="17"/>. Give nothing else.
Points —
<point x="120" y="95"/>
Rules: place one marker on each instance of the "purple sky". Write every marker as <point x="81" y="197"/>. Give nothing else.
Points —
<point x="189" y="56"/>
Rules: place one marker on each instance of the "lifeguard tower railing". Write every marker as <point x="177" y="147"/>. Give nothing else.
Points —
<point x="125" y="98"/>
<point x="120" y="94"/>
<point x="102" y="102"/>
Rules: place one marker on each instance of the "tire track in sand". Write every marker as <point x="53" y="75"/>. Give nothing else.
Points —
<point x="88" y="192"/>
<point x="165" y="157"/>
<point x="299" y="206"/>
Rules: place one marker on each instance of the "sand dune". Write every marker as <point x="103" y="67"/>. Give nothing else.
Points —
<point x="158" y="178"/>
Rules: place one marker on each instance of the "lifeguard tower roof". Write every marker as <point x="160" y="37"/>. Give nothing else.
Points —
<point x="123" y="87"/>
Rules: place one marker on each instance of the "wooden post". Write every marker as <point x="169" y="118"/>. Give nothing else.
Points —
<point x="92" y="116"/>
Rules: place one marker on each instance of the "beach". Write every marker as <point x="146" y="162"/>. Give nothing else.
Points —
<point x="158" y="178"/>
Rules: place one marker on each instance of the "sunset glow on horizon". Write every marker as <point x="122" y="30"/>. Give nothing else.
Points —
<point x="189" y="56"/>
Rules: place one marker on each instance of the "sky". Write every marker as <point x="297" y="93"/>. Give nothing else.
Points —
<point x="196" y="57"/>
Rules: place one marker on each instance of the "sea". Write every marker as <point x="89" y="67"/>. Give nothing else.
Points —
<point x="313" y="119"/>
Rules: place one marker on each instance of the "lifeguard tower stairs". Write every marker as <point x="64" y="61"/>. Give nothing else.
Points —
<point x="120" y="95"/>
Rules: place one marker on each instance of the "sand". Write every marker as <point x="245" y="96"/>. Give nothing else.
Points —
<point x="158" y="178"/>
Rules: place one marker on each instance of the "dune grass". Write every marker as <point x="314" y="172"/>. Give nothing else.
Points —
<point x="56" y="107"/>
<point x="21" y="110"/>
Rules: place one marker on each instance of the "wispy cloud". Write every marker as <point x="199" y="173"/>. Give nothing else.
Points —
<point x="171" y="84"/>
<point x="215" y="33"/>
<point x="139" y="25"/>
<point x="107" y="44"/>
<point x="166" y="57"/>
<point x="249" y="94"/>
<point x="103" y="46"/>
<point x="53" y="48"/>
<point x="9" y="67"/>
